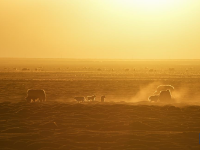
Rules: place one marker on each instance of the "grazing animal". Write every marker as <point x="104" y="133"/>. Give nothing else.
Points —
<point x="171" y="69"/>
<point x="36" y="94"/>
<point x="25" y="69"/>
<point x="80" y="98"/>
<point x="164" y="88"/>
<point x="165" y="96"/>
<point x="99" y="69"/>
<point x="91" y="98"/>
<point x="103" y="98"/>
<point x="126" y="69"/>
<point x="152" y="70"/>
<point x="154" y="98"/>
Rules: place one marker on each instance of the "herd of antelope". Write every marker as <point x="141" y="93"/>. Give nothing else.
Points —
<point x="89" y="98"/>
<point x="162" y="94"/>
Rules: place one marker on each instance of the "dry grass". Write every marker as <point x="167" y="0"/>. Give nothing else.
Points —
<point x="125" y="121"/>
<point x="56" y="125"/>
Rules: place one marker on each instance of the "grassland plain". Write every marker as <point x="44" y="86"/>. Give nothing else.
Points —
<point x="125" y="121"/>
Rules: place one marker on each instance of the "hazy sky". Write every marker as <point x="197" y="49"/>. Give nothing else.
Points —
<point x="136" y="29"/>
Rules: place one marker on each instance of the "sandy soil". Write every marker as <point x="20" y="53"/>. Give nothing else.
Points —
<point x="63" y="126"/>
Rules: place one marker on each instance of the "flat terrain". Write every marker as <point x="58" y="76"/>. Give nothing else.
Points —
<point x="125" y="121"/>
<point x="63" y="126"/>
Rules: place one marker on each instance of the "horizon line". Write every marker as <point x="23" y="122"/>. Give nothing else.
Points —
<point x="100" y="58"/>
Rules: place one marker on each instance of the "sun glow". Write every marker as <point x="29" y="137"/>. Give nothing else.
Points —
<point x="151" y="4"/>
<point x="113" y="29"/>
<point x="147" y="5"/>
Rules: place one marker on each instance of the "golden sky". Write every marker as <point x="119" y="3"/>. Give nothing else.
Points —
<point x="125" y="29"/>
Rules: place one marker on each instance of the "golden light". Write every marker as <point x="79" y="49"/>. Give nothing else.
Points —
<point x="152" y="4"/>
<point x="147" y="5"/>
<point x="102" y="28"/>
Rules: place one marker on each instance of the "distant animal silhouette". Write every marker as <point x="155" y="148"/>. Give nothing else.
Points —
<point x="163" y="88"/>
<point x="153" y="98"/>
<point x="152" y="70"/>
<point x="103" y="98"/>
<point x="80" y="98"/>
<point x="171" y="69"/>
<point x="165" y="96"/>
<point x="36" y="94"/>
<point x="25" y="69"/>
<point x="91" y="98"/>
<point x="127" y="69"/>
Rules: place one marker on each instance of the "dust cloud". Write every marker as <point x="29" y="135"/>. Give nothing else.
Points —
<point x="182" y="95"/>
<point x="186" y="96"/>
<point x="145" y="92"/>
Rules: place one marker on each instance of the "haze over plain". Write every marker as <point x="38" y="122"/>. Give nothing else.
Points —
<point x="124" y="29"/>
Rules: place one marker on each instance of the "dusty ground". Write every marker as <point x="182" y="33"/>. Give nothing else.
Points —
<point x="64" y="126"/>
<point x="125" y="121"/>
